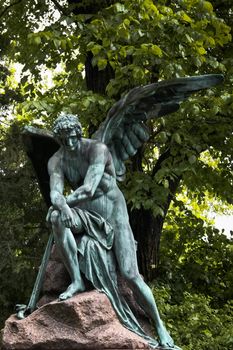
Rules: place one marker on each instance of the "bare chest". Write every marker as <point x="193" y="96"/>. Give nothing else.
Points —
<point x="75" y="169"/>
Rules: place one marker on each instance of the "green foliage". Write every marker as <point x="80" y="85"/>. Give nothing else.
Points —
<point x="195" y="278"/>
<point x="141" y="191"/>
<point x="23" y="232"/>
<point x="194" y="322"/>
<point x="196" y="255"/>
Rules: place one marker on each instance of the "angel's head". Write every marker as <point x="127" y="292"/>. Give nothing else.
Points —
<point x="67" y="130"/>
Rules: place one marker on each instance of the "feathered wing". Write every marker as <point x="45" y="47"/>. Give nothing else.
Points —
<point x="40" y="145"/>
<point x="124" y="129"/>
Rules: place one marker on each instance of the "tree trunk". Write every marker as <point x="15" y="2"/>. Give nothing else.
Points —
<point x="146" y="227"/>
<point x="147" y="231"/>
<point x="97" y="80"/>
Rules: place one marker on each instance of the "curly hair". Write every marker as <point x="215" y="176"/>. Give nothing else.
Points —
<point x="66" y="123"/>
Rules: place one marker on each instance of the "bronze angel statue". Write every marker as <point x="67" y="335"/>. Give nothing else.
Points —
<point x="95" y="209"/>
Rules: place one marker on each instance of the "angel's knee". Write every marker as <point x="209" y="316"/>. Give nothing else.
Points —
<point x="130" y="273"/>
<point x="55" y="218"/>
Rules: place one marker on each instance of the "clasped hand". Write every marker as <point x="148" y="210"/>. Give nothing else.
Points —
<point x="67" y="217"/>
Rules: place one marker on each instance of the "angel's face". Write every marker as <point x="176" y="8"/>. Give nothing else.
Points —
<point x="71" y="141"/>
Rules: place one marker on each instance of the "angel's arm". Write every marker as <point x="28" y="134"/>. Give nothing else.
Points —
<point x="98" y="155"/>
<point x="56" y="182"/>
<point x="56" y="192"/>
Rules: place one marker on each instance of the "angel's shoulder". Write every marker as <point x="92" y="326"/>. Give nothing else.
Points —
<point x="97" y="146"/>
<point x="97" y="151"/>
<point x="55" y="161"/>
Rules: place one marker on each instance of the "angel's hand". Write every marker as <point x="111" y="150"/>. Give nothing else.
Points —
<point x="67" y="217"/>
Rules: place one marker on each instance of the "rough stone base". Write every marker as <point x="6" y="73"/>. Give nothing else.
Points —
<point x="87" y="321"/>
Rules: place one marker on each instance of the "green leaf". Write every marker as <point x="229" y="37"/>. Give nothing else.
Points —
<point x="176" y="138"/>
<point x="208" y="6"/>
<point x="192" y="159"/>
<point x="102" y="63"/>
<point x="96" y="49"/>
<point x="36" y="39"/>
<point x="120" y="7"/>
<point x="57" y="43"/>
<point x="186" y="18"/>
<point x="201" y="50"/>
<point x="155" y="49"/>
<point x="162" y="137"/>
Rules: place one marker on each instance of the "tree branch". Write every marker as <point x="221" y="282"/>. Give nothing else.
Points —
<point x="60" y="8"/>
<point x="9" y="6"/>
<point x="2" y="122"/>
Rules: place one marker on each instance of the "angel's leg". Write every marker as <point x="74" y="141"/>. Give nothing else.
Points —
<point x="67" y="247"/>
<point x="124" y="247"/>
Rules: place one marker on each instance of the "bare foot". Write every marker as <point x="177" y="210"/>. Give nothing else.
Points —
<point x="166" y="340"/>
<point x="73" y="289"/>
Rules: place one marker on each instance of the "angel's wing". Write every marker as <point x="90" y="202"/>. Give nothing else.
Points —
<point x="40" y="145"/>
<point x="124" y="129"/>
